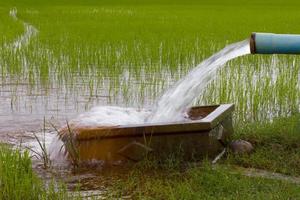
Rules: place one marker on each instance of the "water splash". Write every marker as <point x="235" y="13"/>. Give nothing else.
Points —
<point x="170" y="107"/>
<point x="98" y="116"/>
<point x="174" y="102"/>
<point x="111" y="116"/>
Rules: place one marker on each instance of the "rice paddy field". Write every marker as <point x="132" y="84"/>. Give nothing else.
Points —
<point x="61" y="58"/>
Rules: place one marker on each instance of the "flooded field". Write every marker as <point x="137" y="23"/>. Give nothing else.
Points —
<point x="58" y="61"/>
<point x="60" y="67"/>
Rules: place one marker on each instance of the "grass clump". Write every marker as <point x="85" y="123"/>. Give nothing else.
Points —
<point x="276" y="144"/>
<point x="205" y="182"/>
<point x="18" y="181"/>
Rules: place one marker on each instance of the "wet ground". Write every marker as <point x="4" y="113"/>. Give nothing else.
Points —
<point x="23" y="114"/>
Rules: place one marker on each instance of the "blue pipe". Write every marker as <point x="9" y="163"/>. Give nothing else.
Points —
<point x="270" y="43"/>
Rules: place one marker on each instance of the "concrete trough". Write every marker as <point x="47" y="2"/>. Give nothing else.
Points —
<point x="204" y="135"/>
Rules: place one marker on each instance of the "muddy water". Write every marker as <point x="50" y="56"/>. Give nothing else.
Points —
<point x="93" y="180"/>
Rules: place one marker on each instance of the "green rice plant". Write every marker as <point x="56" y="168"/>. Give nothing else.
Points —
<point x="44" y="154"/>
<point x="128" y="52"/>
<point x="18" y="181"/>
<point x="84" y="51"/>
<point x="70" y="147"/>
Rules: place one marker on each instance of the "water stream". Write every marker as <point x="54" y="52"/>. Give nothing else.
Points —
<point x="173" y="103"/>
<point x="169" y="108"/>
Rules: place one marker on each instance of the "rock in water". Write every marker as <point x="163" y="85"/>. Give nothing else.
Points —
<point x="241" y="146"/>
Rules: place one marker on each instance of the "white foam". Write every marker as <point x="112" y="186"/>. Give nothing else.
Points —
<point x="56" y="149"/>
<point x="111" y="116"/>
<point x="98" y="116"/>
<point x="170" y="107"/>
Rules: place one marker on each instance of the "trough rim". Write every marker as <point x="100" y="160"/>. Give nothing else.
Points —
<point x="203" y="125"/>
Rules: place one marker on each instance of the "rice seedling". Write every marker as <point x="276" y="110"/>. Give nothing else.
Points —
<point x="68" y="62"/>
<point x="43" y="154"/>
<point x="18" y="181"/>
<point x="69" y="148"/>
<point x="128" y="52"/>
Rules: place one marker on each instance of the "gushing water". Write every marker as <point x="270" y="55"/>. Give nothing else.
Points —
<point x="169" y="108"/>
<point x="98" y="116"/>
<point x="173" y="103"/>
